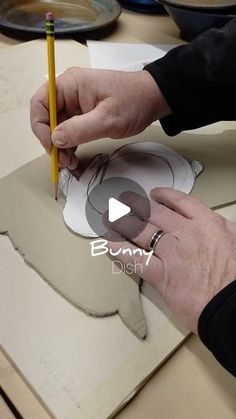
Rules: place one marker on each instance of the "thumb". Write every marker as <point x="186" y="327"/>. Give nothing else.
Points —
<point x="80" y="129"/>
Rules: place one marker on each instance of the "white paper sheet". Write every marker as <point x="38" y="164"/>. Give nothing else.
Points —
<point x="119" y="56"/>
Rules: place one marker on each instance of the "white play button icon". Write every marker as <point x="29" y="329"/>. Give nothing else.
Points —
<point x="104" y="198"/>
<point x="116" y="210"/>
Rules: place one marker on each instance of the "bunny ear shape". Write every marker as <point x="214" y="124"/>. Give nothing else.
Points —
<point x="34" y="222"/>
<point x="131" y="311"/>
<point x="5" y="205"/>
<point x="3" y="228"/>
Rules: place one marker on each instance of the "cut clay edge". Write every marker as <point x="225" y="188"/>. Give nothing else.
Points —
<point x="29" y="264"/>
<point x="140" y="333"/>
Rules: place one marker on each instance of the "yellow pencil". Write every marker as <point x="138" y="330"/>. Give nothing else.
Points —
<point x="52" y="97"/>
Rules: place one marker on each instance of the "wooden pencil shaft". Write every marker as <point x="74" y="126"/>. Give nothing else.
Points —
<point x="52" y="98"/>
<point x="52" y="83"/>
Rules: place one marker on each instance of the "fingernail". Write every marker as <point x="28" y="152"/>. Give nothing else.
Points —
<point x="59" y="139"/>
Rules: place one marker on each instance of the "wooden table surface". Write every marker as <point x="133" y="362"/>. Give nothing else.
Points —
<point x="191" y="384"/>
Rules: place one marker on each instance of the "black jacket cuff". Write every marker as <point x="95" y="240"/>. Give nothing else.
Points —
<point x="217" y="327"/>
<point x="198" y="80"/>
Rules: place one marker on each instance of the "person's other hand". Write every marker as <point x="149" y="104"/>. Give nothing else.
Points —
<point x="94" y="104"/>
<point x="193" y="260"/>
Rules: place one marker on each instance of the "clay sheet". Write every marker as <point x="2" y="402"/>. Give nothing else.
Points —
<point x="34" y="222"/>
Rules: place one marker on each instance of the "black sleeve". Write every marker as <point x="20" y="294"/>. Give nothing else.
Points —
<point x="198" y="80"/>
<point x="217" y="327"/>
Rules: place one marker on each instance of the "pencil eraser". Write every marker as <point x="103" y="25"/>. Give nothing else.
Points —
<point x="49" y="16"/>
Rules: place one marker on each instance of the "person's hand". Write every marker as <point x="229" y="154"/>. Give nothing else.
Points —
<point x="192" y="261"/>
<point x="93" y="104"/>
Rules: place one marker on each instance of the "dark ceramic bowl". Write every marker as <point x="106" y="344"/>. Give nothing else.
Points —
<point x="218" y="5"/>
<point x="143" y="6"/>
<point x="193" y="21"/>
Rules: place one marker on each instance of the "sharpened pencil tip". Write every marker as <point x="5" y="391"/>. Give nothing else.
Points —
<point x="56" y="191"/>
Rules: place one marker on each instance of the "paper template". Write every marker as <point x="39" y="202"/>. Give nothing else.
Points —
<point x="122" y="56"/>
<point x="148" y="164"/>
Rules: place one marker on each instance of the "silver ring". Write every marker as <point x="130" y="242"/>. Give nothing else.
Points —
<point x="155" y="239"/>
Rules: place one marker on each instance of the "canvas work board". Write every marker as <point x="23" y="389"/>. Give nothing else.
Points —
<point x="78" y="365"/>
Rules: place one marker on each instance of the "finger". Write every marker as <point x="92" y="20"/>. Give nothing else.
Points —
<point x="68" y="159"/>
<point x="180" y="202"/>
<point x="132" y="228"/>
<point x="39" y="115"/>
<point x="39" y="120"/>
<point x="139" y="205"/>
<point x="67" y="105"/>
<point x="157" y="214"/>
<point x="140" y="233"/>
<point x="81" y="129"/>
<point x="147" y="266"/>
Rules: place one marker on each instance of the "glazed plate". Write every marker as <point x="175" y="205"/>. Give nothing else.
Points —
<point x="71" y="16"/>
